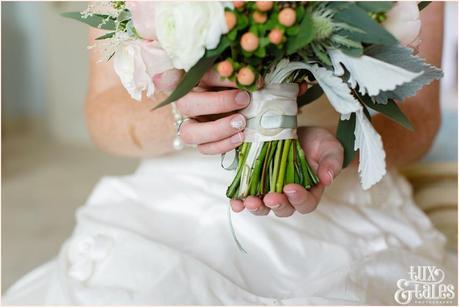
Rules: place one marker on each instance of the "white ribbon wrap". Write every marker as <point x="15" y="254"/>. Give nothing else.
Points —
<point x="268" y="112"/>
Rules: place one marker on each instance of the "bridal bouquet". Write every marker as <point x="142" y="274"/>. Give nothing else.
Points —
<point x="360" y="54"/>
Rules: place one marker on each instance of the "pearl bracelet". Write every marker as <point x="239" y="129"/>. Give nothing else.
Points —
<point x="179" y="119"/>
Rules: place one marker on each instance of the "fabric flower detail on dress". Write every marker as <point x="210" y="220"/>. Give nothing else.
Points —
<point x="83" y="254"/>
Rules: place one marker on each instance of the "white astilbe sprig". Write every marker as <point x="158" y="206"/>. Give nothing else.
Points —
<point x="108" y="47"/>
<point x="371" y="75"/>
<point x="101" y="8"/>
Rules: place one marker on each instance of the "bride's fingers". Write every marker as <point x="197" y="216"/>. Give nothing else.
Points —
<point x="222" y="146"/>
<point x="194" y="132"/>
<point x="168" y="80"/>
<point x="255" y="206"/>
<point x="237" y="205"/>
<point x="279" y="203"/>
<point x="205" y="103"/>
<point x="213" y="79"/>
<point x="302" y="200"/>
<point x="330" y="166"/>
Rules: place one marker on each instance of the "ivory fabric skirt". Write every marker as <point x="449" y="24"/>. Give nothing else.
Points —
<point x="161" y="236"/>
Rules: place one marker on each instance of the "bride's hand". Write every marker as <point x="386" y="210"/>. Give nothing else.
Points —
<point x="325" y="155"/>
<point x="212" y="122"/>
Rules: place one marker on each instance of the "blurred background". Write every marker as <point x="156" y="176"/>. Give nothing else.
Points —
<point x="49" y="164"/>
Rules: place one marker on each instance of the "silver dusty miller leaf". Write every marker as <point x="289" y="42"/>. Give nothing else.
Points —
<point x="402" y="57"/>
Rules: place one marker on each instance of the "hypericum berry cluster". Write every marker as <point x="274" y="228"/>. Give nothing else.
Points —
<point x="257" y="34"/>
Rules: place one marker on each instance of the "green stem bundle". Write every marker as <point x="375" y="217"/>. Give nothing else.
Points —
<point x="277" y="164"/>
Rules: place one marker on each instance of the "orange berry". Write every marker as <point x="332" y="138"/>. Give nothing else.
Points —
<point x="249" y="42"/>
<point x="238" y="4"/>
<point x="230" y="20"/>
<point x="259" y="17"/>
<point x="225" y="68"/>
<point x="287" y="17"/>
<point x="276" y="36"/>
<point x="245" y="76"/>
<point x="264" y="6"/>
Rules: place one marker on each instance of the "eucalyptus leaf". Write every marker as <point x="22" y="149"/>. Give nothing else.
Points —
<point x="194" y="75"/>
<point x="423" y="4"/>
<point x="124" y="15"/>
<point x="359" y="18"/>
<point x="103" y="22"/>
<point x="375" y="6"/>
<point x="345" y="134"/>
<point x="304" y="37"/>
<point x="311" y="95"/>
<point x="321" y="54"/>
<point x="354" y="52"/>
<point x="390" y="109"/>
<point x="105" y="36"/>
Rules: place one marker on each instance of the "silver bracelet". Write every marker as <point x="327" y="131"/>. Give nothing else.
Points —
<point x="179" y="119"/>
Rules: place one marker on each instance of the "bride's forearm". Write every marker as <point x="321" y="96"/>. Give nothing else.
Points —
<point x="403" y="146"/>
<point x="121" y="126"/>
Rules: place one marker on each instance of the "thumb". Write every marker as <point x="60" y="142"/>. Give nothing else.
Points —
<point x="329" y="167"/>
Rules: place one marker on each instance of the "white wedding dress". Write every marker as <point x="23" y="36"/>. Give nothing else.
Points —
<point x="161" y="236"/>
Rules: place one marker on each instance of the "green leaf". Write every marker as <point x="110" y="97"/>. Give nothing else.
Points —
<point x="423" y="4"/>
<point x="304" y="37"/>
<point x="390" y="109"/>
<point x="348" y="46"/>
<point x="105" y="36"/>
<point x="375" y="6"/>
<point x="260" y="52"/>
<point x="374" y="33"/>
<point x="311" y="95"/>
<point x="192" y="77"/>
<point x="263" y="42"/>
<point x="232" y="34"/>
<point x="355" y="52"/>
<point x="300" y="12"/>
<point x="293" y="30"/>
<point x="97" y="21"/>
<point x="242" y="21"/>
<point x="124" y="15"/>
<point x="345" y="134"/>
<point x="321" y="55"/>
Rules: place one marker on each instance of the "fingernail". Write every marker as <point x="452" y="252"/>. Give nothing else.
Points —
<point x="274" y="206"/>
<point x="236" y="139"/>
<point x="242" y="98"/>
<point x="291" y="194"/>
<point x="332" y="176"/>
<point x="253" y="209"/>
<point x="238" y="122"/>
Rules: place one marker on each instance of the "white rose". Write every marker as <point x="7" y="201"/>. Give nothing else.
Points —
<point x="403" y="21"/>
<point x="137" y="62"/>
<point x="186" y="29"/>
